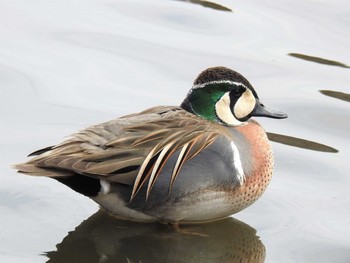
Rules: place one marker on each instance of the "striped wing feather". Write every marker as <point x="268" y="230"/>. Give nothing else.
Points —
<point x="131" y="150"/>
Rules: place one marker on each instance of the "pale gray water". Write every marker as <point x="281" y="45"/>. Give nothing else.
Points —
<point x="65" y="65"/>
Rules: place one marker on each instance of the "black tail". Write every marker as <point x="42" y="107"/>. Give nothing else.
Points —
<point x="82" y="184"/>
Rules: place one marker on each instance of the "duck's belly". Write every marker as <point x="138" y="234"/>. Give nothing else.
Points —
<point x="202" y="206"/>
<point x="207" y="205"/>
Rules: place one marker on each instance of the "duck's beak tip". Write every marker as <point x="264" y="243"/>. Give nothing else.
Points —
<point x="263" y="111"/>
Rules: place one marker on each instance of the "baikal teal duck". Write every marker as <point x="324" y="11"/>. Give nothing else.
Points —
<point x="198" y="162"/>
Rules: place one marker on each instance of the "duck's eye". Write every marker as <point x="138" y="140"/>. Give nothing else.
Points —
<point x="235" y="92"/>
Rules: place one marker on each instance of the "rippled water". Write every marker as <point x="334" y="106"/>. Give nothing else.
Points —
<point x="65" y="65"/>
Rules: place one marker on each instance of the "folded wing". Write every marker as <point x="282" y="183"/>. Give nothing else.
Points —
<point x="131" y="150"/>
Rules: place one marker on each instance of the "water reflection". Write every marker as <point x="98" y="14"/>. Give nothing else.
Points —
<point x="102" y="238"/>
<point x="319" y="60"/>
<point x="300" y="143"/>
<point x="336" y="94"/>
<point x="209" y="4"/>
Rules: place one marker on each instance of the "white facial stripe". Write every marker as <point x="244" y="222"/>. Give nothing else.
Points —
<point x="199" y="86"/>
<point x="245" y="104"/>
<point x="223" y="111"/>
<point x="237" y="164"/>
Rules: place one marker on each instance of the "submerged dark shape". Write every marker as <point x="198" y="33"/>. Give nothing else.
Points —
<point x="300" y="143"/>
<point x="336" y="94"/>
<point x="319" y="60"/>
<point x="101" y="238"/>
<point x="209" y="4"/>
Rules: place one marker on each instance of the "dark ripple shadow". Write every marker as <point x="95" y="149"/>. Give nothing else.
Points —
<point x="336" y="94"/>
<point x="102" y="238"/>
<point x="300" y="143"/>
<point x="319" y="60"/>
<point x="209" y="4"/>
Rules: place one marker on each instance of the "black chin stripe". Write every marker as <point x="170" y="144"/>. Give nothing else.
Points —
<point x="233" y="101"/>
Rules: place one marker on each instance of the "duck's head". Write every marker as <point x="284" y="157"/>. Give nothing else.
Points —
<point x="222" y="95"/>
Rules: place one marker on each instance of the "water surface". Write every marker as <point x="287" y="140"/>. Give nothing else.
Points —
<point x="65" y="65"/>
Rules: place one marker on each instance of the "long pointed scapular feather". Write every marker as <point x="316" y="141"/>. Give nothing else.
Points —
<point x="172" y="137"/>
<point x="112" y="154"/>
<point x="156" y="169"/>
<point x="182" y="161"/>
<point x="140" y="173"/>
<point x="111" y="166"/>
<point x="124" y="141"/>
<point x="177" y="165"/>
<point x="151" y="137"/>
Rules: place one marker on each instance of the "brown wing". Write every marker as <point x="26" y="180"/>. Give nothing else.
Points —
<point x="130" y="150"/>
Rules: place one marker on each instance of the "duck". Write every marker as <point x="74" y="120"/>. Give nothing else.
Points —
<point x="198" y="162"/>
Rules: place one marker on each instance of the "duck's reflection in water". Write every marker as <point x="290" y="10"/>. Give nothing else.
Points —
<point x="102" y="238"/>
